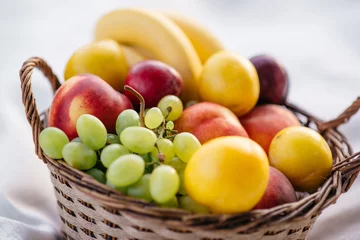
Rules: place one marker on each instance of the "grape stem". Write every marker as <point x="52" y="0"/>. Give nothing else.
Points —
<point x="142" y="102"/>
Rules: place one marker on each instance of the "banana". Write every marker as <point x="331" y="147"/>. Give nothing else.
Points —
<point x="161" y="37"/>
<point x="204" y="42"/>
<point x="132" y="56"/>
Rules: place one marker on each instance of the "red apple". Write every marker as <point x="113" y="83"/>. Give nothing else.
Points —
<point x="153" y="80"/>
<point x="278" y="191"/>
<point x="86" y="93"/>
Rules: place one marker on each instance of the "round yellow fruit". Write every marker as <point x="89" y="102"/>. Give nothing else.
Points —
<point x="230" y="80"/>
<point x="105" y="59"/>
<point x="303" y="156"/>
<point x="228" y="174"/>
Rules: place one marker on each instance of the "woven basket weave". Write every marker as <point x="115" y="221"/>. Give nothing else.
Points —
<point x="91" y="210"/>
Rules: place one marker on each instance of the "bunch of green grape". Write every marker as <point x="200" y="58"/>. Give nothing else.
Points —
<point x="146" y="158"/>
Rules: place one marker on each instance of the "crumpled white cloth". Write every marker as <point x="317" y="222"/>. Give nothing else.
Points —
<point x="318" y="42"/>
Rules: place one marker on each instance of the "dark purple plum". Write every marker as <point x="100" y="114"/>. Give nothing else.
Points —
<point x="274" y="83"/>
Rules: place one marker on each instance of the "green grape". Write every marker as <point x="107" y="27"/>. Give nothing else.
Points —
<point x="165" y="147"/>
<point x="77" y="139"/>
<point x="127" y="118"/>
<point x="177" y="164"/>
<point x="79" y="156"/>
<point x="91" y="131"/>
<point x="125" y="170"/>
<point x="171" y="107"/>
<point x="153" y="118"/>
<point x="52" y="141"/>
<point x="186" y="145"/>
<point x="141" y="189"/>
<point x="120" y="189"/>
<point x="182" y="189"/>
<point x="138" y="139"/>
<point x="172" y="203"/>
<point x="170" y="125"/>
<point x="97" y="174"/>
<point x="112" y="138"/>
<point x="188" y="203"/>
<point x="111" y="152"/>
<point x="164" y="183"/>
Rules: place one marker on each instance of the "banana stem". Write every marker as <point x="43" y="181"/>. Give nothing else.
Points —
<point x="142" y="102"/>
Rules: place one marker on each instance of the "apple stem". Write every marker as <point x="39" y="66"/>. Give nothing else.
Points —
<point x="142" y="102"/>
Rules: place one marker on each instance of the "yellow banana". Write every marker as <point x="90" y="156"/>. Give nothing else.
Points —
<point x="204" y="42"/>
<point x="158" y="35"/>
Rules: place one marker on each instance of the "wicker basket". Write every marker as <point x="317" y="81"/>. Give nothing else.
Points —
<point x="91" y="210"/>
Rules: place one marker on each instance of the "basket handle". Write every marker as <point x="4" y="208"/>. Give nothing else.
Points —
<point x="343" y="118"/>
<point x="28" y="99"/>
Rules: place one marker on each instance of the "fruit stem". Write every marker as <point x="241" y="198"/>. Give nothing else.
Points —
<point x="142" y="102"/>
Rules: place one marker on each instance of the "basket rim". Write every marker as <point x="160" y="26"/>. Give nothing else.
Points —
<point x="346" y="167"/>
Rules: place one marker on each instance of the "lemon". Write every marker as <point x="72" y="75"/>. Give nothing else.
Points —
<point x="228" y="174"/>
<point x="303" y="156"/>
<point x="105" y="59"/>
<point x="230" y="80"/>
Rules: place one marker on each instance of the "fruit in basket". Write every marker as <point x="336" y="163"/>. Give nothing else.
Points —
<point x="164" y="183"/>
<point x="279" y="191"/>
<point x="166" y="41"/>
<point x="153" y="80"/>
<point x="209" y="120"/>
<point x="52" y="141"/>
<point x="104" y="58"/>
<point x="204" y="42"/>
<point x="91" y="131"/>
<point x="138" y="139"/>
<point x="185" y="145"/>
<point x="153" y="118"/>
<point x="165" y="147"/>
<point x="97" y="174"/>
<point x="186" y="202"/>
<point x="83" y="94"/>
<point x="126" y="170"/>
<point x="171" y="107"/>
<point x="265" y="121"/>
<point x="127" y="118"/>
<point x="230" y="80"/>
<point x="274" y="83"/>
<point x="303" y="156"/>
<point x="79" y="156"/>
<point x="112" y="152"/>
<point x="141" y="189"/>
<point x="112" y="138"/>
<point x="228" y="174"/>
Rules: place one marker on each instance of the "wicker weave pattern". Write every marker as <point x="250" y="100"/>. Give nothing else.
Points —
<point x="95" y="221"/>
<point x="91" y="210"/>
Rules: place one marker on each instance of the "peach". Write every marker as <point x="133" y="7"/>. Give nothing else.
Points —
<point x="278" y="191"/>
<point x="265" y="121"/>
<point x="208" y="120"/>
<point x="86" y="93"/>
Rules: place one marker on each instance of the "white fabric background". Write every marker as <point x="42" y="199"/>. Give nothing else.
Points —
<point x="318" y="42"/>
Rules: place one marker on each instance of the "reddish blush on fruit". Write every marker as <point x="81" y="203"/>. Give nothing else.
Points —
<point x="208" y="120"/>
<point x="278" y="191"/>
<point x="86" y="93"/>
<point x="265" y="121"/>
<point x="153" y="80"/>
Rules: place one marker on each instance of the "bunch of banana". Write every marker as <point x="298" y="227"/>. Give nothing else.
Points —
<point x="169" y="38"/>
